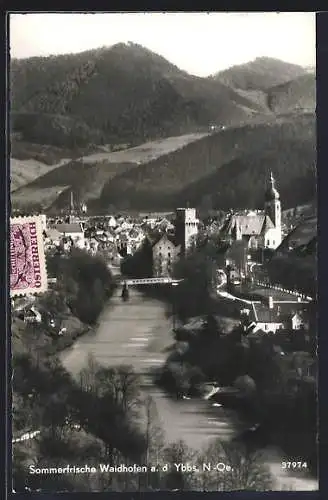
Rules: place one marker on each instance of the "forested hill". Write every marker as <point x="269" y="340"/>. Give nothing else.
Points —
<point x="227" y="169"/>
<point x="260" y="74"/>
<point x="82" y="108"/>
<point x="124" y="93"/>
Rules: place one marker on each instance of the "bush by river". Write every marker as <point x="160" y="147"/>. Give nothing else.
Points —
<point x="84" y="284"/>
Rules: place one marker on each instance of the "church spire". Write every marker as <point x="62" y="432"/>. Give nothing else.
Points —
<point x="271" y="193"/>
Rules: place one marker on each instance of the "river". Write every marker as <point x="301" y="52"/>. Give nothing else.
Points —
<point x="138" y="333"/>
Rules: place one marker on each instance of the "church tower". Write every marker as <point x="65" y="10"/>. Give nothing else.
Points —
<point x="273" y="209"/>
<point x="272" y="203"/>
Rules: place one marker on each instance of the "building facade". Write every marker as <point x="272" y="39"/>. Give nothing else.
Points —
<point x="74" y="232"/>
<point x="165" y="253"/>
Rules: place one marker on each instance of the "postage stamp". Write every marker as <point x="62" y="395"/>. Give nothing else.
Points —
<point x="28" y="272"/>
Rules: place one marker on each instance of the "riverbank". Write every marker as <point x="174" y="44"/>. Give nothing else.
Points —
<point x="139" y="334"/>
<point x="70" y="309"/>
<point x="271" y="393"/>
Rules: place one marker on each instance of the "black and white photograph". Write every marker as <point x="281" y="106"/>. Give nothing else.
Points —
<point x="163" y="251"/>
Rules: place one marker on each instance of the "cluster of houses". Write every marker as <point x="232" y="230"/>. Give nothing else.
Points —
<point x="115" y="237"/>
<point x="172" y="236"/>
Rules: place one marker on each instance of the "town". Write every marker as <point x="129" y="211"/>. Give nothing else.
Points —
<point x="250" y="238"/>
<point x="163" y="252"/>
<point x="214" y="273"/>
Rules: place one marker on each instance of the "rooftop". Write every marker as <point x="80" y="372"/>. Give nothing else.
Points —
<point x="249" y="225"/>
<point x="280" y="312"/>
<point x="69" y="228"/>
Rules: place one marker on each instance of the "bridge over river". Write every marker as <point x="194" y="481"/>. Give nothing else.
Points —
<point x="149" y="281"/>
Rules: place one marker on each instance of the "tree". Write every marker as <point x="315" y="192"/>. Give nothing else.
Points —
<point x="243" y="470"/>
<point x="154" y="436"/>
<point x="179" y="454"/>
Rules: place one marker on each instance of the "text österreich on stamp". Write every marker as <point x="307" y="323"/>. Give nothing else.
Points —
<point x="28" y="273"/>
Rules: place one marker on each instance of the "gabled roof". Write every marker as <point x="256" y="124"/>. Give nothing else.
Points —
<point x="52" y="234"/>
<point x="249" y="225"/>
<point x="164" y="237"/>
<point x="69" y="228"/>
<point x="280" y="313"/>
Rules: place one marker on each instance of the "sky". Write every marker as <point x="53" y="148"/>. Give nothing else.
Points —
<point x="200" y="43"/>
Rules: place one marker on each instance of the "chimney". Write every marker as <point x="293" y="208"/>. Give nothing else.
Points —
<point x="270" y="302"/>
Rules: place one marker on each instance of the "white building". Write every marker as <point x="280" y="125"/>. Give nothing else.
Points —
<point x="43" y="218"/>
<point x="259" y="230"/>
<point x="74" y="231"/>
<point x="274" y="316"/>
<point x="52" y="237"/>
<point x="112" y="222"/>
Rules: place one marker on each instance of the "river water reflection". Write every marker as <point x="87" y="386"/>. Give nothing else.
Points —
<point x="138" y="333"/>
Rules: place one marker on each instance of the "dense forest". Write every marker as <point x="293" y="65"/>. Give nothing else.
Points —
<point x="228" y="169"/>
<point x="230" y="166"/>
<point x="120" y="93"/>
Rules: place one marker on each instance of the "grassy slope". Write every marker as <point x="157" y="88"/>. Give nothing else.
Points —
<point x="88" y="175"/>
<point x="30" y="161"/>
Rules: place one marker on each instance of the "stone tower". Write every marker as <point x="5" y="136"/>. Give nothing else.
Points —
<point x="186" y="227"/>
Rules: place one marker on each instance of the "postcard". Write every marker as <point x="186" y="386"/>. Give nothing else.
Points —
<point x="163" y="243"/>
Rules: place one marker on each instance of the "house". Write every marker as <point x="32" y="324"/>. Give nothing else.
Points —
<point x="165" y="252"/>
<point x="73" y="231"/>
<point x="43" y="219"/>
<point x="258" y="230"/>
<point x="236" y="257"/>
<point x="164" y="224"/>
<point x="290" y="316"/>
<point x="21" y="303"/>
<point x="111" y="222"/>
<point x="91" y="245"/>
<point x="66" y="244"/>
<point x="30" y="315"/>
<point x="52" y="237"/>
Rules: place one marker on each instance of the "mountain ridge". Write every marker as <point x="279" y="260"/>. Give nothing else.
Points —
<point x="122" y="92"/>
<point x="121" y="97"/>
<point x="260" y="74"/>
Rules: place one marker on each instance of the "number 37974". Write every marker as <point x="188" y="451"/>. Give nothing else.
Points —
<point x="294" y="465"/>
